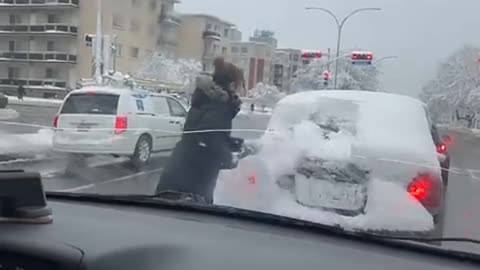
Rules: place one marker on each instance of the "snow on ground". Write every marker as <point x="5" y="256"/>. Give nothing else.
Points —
<point x="364" y="132"/>
<point x="8" y="114"/>
<point x="34" y="101"/>
<point x="476" y="132"/>
<point x="26" y="143"/>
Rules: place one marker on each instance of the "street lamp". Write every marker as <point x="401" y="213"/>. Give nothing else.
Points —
<point x="385" y="58"/>
<point x="340" y="25"/>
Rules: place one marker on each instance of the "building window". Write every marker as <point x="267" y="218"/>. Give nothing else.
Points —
<point x="225" y="33"/>
<point x="134" y="26"/>
<point x="13" y="72"/>
<point x="296" y="57"/>
<point x="118" y="21"/>
<point x="153" y="5"/>
<point x="224" y="50"/>
<point x="244" y="50"/>
<point x="15" y="19"/>
<point x="134" y="52"/>
<point x="49" y="73"/>
<point x="235" y="50"/>
<point x="11" y="45"/>
<point x="209" y="26"/>
<point x="50" y="46"/>
<point x="215" y="48"/>
<point x="118" y="49"/>
<point x="51" y="18"/>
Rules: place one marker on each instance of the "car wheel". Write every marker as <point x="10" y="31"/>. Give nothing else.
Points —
<point x="143" y="151"/>
<point x="76" y="164"/>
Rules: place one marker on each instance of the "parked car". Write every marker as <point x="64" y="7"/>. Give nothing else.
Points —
<point x="3" y="101"/>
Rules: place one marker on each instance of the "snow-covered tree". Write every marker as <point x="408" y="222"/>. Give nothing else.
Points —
<point x="456" y="86"/>
<point x="170" y="70"/>
<point x="264" y="94"/>
<point x="350" y="77"/>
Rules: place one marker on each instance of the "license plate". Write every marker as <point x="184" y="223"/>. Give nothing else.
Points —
<point x="333" y="195"/>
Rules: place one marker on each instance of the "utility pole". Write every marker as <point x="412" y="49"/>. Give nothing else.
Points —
<point x="98" y="44"/>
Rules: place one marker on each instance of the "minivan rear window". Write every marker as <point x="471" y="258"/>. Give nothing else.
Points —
<point x="91" y="104"/>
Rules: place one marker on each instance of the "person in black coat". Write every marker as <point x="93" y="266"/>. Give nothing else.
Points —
<point x="205" y="147"/>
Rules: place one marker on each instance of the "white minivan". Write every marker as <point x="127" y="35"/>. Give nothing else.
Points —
<point x="102" y="120"/>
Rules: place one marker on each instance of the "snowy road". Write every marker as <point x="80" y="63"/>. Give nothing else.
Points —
<point x="103" y="176"/>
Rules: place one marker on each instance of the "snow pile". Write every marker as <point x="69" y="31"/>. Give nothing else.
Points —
<point x="8" y="114"/>
<point x="26" y="143"/>
<point x="12" y="100"/>
<point x="265" y="95"/>
<point x="170" y="70"/>
<point x="344" y="126"/>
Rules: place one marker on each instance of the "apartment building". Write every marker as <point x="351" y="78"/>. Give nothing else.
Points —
<point x="255" y="58"/>
<point x="204" y="37"/>
<point x="43" y="47"/>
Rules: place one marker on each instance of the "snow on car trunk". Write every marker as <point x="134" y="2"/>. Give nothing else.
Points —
<point x="385" y="133"/>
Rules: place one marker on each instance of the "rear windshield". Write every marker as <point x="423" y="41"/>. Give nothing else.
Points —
<point x="91" y="104"/>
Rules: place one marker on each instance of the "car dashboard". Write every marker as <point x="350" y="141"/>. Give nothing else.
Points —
<point x="99" y="235"/>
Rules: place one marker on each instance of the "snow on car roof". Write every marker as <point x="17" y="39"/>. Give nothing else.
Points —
<point x="112" y="90"/>
<point x="381" y="120"/>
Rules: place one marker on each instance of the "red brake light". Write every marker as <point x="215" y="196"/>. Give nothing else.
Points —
<point x="369" y="57"/>
<point x="90" y="92"/>
<point x="441" y="148"/>
<point x="55" y="121"/>
<point x="318" y="54"/>
<point x="121" y="124"/>
<point x="420" y="187"/>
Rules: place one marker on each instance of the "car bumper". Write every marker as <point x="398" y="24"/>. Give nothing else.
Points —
<point x="116" y="145"/>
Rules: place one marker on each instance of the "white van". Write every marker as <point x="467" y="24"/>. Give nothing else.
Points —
<point x="101" y="120"/>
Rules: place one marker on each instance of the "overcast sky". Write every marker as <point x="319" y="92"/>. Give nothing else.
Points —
<point x="420" y="32"/>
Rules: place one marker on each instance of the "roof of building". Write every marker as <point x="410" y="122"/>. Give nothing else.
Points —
<point x="212" y="17"/>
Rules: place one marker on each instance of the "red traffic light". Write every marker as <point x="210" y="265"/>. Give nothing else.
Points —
<point x="311" y="55"/>
<point x="362" y="56"/>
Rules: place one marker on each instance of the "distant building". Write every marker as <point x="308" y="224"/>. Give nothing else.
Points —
<point x="265" y="36"/>
<point x="204" y="37"/>
<point x="43" y="42"/>
<point x="255" y="58"/>
<point x="286" y="63"/>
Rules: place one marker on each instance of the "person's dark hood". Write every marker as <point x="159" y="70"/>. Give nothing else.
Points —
<point x="206" y="84"/>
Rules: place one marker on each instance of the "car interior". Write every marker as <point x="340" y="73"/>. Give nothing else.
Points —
<point x="74" y="231"/>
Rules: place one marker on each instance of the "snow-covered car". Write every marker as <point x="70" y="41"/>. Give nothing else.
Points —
<point x="105" y="120"/>
<point x="365" y="160"/>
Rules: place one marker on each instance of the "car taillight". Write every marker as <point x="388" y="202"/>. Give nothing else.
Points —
<point x="427" y="190"/>
<point x="121" y="124"/>
<point x="55" y="121"/>
<point x="420" y="186"/>
<point x="441" y="148"/>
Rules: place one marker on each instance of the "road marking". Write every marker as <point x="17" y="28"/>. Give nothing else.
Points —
<point x="114" y="180"/>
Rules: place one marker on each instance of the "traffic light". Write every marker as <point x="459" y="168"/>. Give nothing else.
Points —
<point x="326" y="76"/>
<point x="89" y="40"/>
<point x="363" y="58"/>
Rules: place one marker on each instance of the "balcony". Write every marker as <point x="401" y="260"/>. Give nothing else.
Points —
<point x="32" y="56"/>
<point x="169" y="20"/>
<point x="52" y="83"/>
<point x="212" y="35"/>
<point x="39" y="3"/>
<point x="43" y="29"/>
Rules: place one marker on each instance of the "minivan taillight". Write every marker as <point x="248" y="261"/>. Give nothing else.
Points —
<point x="55" y="121"/>
<point x="121" y="124"/>
<point x="441" y="148"/>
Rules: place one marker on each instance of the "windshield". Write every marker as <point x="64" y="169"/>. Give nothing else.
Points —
<point x="364" y="116"/>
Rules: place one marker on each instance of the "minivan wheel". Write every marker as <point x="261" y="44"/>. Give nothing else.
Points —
<point x="143" y="151"/>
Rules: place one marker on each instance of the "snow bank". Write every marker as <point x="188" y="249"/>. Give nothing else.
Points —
<point x="8" y="114"/>
<point x="385" y="133"/>
<point x="26" y="143"/>
<point x="34" y="101"/>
